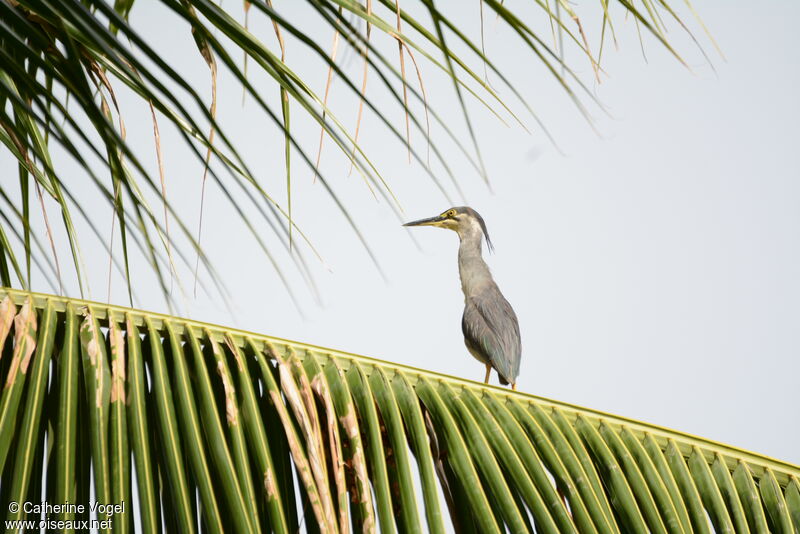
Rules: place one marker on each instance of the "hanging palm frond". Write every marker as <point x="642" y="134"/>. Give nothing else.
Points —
<point x="64" y="62"/>
<point x="233" y="427"/>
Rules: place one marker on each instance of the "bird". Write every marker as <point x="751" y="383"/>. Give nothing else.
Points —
<point x="489" y="324"/>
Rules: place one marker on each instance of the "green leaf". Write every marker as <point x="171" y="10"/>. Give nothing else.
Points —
<point x="97" y="376"/>
<point x="57" y="53"/>
<point x="751" y="500"/>
<point x="146" y="468"/>
<point x="710" y="492"/>
<point x="621" y="488"/>
<point x="725" y="483"/>
<point x="260" y="446"/>
<point x="67" y="440"/>
<point x="778" y="513"/>
<point x="219" y="420"/>
<point x="32" y="412"/>
<point x="120" y="456"/>
<point x="173" y="466"/>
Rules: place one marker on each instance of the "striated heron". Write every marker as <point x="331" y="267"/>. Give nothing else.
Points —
<point x="490" y="326"/>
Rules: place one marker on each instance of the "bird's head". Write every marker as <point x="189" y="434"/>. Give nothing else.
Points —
<point x="463" y="220"/>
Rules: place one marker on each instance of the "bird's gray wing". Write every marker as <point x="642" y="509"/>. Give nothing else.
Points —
<point x="491" y="327"/>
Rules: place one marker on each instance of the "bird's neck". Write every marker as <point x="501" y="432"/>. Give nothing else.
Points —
<point x="473" y="270"/>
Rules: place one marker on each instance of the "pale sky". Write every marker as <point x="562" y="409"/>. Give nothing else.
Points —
<point x="654" y="268"/>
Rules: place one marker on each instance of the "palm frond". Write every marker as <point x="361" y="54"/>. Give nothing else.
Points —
<point x="64" y="64"/>
<point x="226" y="416"/>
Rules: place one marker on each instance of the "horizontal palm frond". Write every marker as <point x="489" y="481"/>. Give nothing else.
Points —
<point x="218" y="420"/>
<point x="64" y="64"/>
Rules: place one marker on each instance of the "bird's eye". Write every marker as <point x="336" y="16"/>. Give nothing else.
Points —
<point x="451" y="213"/>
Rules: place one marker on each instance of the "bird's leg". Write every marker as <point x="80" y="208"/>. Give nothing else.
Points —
<point x="488" y="370"/>
<point x="514" y="386"/>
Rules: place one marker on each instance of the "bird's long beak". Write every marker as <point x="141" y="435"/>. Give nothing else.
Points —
<point x="430" y="221"/>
